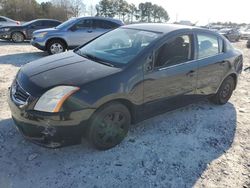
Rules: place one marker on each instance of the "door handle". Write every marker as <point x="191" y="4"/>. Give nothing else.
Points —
<point x="190" y="73"/>
<point x="89" y="31"/>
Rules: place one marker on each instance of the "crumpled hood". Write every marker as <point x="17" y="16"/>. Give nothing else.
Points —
<point x="62" y="69"/>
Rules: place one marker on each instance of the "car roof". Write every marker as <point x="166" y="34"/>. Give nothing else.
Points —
<point x="7" y="18"/>
<point x="102" y="18"/>
<point x="163" y="28"/>
<point x="46" y="20"/>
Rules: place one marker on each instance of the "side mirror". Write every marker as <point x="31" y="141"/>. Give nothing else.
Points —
<point x="149" y="64"/>
<point x="73" y="28"/>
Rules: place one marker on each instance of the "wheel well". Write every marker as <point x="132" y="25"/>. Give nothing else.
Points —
<point x="18" y="32"/>
<point x="234" y="76"/>
<point x="126" y="103"/>
<point x="62" y="40"/>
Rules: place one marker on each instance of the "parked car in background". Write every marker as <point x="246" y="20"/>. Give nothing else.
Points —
<point x="231" y="34"/>
<point x="99" y="89"/>
<point x="72" y="33"/>
<point x="4" y="21"/>
<point x="24" y="31"/>
<point x="245" y="34"/>
<point x="248" y="43"/>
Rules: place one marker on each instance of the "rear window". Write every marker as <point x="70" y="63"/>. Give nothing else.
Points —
<point x="208" y="45"/>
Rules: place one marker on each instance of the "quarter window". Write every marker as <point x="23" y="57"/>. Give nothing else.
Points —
<point x="208" y="45"/>
<point x="221" y="45"/>
<point x="177" y="50"/>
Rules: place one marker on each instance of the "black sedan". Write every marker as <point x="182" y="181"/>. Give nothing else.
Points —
<point x="100" y="89"/>
<point x="24" y="31"/>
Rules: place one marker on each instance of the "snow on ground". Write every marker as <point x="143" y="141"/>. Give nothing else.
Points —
<point x="201" y="145"/>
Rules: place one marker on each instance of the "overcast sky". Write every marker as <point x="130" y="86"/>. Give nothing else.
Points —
<point x="199" y="10"/>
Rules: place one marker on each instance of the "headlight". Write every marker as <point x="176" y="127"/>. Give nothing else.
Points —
<point x="53" y="99"/>
<point x="5" y="29"/>
<point x="40" y="35"/>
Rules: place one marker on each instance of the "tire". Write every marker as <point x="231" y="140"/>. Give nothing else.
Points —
<point x="56" y="47"/>
<point x="225" y="91"/>
<point x="109" y="126"/>
<point x="17" y="37"/>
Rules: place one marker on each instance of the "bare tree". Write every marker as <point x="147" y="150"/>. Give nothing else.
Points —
<point x="77" y="7"/>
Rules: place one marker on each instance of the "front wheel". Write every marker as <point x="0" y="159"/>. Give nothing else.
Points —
<point x="56" y="47"/>
<point x="17" y="37"/>
<point x="225" y="91"/>
<point x="109" y="126"/>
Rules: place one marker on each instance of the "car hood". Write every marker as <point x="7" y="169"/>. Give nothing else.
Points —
<point x="62" y="69"/>
<point x="12" y="27"/>
<point x="45" y="30"/>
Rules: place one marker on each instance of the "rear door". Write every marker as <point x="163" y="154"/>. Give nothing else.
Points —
<point x="212" y="65"/>
<point x="172" y="81"/>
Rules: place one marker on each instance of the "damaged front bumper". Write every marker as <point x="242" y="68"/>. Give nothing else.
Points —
<point x="51" y="130"/>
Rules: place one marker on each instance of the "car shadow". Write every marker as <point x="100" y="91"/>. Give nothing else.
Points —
<point x="20" y="59"/>
<point x="9" y="42"/>
<point x="169" y="150"/>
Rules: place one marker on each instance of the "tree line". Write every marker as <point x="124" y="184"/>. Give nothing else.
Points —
<point x="145" y="12"/>
<point x="25" y="10"/>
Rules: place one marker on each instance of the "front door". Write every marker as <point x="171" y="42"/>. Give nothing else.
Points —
<point x="172" y="81"/>
<point x="80" y="33"/>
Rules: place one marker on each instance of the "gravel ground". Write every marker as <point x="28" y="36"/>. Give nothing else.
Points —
<point x="201" y="145"/>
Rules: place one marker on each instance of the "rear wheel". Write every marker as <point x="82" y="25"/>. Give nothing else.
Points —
<point x="109" y="126"/>
<point x="225" y="91"/>
<point x="56" y="47"/>
<point x="17" y="37"/>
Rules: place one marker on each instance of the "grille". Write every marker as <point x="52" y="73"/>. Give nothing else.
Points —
<point x="19" y="94"/>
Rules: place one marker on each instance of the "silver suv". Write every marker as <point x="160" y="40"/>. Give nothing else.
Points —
<point x="72" y="33"/>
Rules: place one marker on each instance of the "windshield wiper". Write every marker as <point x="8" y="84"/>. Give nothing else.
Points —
<point x="94" y="58"/>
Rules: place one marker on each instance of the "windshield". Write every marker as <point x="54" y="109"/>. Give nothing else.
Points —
<point x="65" y="24"/>
<point x="119" y="46"/>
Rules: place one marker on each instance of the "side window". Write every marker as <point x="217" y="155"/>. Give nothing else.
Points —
<point x="52" y="23"/>
<point x="110" y="25"/>
<point x="208" y="45"/>
<point x="177" y="50"/>
<point x="37" y="24"/>
<point x="103" y="24"/>
<point x="2" y="20"/>
<point x="83" y="24"/>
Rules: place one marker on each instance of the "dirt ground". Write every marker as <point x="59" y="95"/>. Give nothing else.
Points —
<point x="201" y="145"/>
